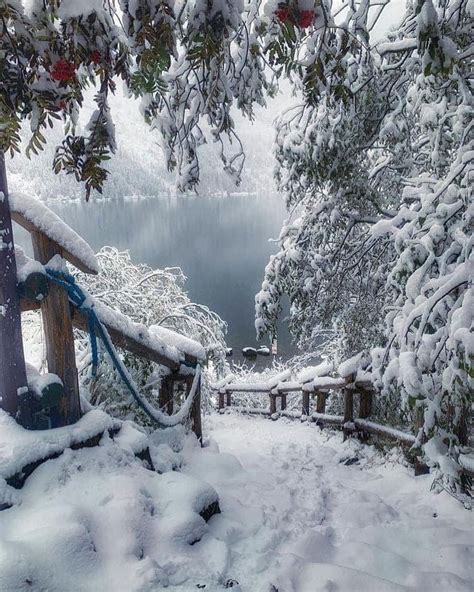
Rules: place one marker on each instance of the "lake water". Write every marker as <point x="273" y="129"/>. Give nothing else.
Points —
<point x="221" y="244"/>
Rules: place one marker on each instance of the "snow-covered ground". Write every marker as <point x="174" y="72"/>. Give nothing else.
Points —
<point x="297" y="518"/>
<point x="301" y="512"/>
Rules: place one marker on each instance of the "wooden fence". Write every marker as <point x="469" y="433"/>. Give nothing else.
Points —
<point x="314" y="394"/>
<point x="60" y="317"/>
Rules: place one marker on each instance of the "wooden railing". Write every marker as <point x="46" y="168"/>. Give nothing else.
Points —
<point x="314" y="394"/>
<point x="61" y="316"/>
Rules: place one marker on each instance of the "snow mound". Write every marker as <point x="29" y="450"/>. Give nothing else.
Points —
<point x="97" y="519"/>
<point x="20" y="447"/>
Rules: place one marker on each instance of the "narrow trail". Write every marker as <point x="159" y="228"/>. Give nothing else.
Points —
<point x="305" y="512"/>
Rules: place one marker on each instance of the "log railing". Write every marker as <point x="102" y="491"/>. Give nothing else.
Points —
<point x="314" y="394"/>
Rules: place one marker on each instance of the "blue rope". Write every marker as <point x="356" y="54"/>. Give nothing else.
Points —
<point x="79" y="299"/>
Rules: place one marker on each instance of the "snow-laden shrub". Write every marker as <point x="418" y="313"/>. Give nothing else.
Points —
<point x="244" y="374"/>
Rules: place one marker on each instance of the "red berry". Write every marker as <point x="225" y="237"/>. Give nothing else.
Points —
<point x="95" y="56"/>
<point x="63" y="70"/>
<point x="62" y="105"/>
<point x="306" y="19"/>
<point x="283" y="14"/>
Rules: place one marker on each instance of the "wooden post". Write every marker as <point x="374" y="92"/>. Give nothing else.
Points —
<point x="58" y="333"/>
<point x="196" y="408"/>
<point x="283" y="402"/>
<point x="365" y="409"/>
<point x="348" y="405"/>
<point x="420" y="467"/>
<point x="320" y="402"/>
<point x="12" y="359"/>
<point x="228" y="398"/>
<point x="221" y="400"/>
<point x="166" y="394"/>
<point x="273" y="406"/>
<point x="305" y="408"/>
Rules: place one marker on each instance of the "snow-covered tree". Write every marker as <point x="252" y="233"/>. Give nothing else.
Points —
<point x="331" y="268"/>
<point x="379" y="247"/>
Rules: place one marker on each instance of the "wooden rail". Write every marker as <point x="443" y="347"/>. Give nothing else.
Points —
<point x="317" y="390"/>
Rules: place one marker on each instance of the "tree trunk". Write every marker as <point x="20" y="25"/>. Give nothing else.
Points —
<point x="12" y="359"/>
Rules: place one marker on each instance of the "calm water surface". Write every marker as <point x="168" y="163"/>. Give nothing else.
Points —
<point x="221" y="244"/>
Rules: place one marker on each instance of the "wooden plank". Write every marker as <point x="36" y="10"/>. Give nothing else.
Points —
<point x="196" y="419"/>
<point x="119" y="339"/>
<point x="323" y="418"/>
<point x="289" y="389"/>
<point x="27" y="304"/>
<point x="243" y="388"/>
<point x="348" y="392"/>
<point x="28" y="225"/>
<point x="273" y="407"/>
<point x="283" y="402"/>
<point x="59" y="336"/>
<point x="228" y="399"/>
<point x="80" y="321"/>
<point x="365" y="409"/>
<point x="252" y="411"/>
<point x="166" y="394"/>
<point x="384" y="431"/>
<point x="221" y="401"/>
<point x="348" y="405"/>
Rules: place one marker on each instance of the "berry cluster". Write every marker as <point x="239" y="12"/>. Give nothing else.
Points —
<point x="95" y="56"/>
<point x="301" y="18"/>
<point x="63" y="70"/>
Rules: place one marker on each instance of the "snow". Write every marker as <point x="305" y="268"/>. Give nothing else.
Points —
<point x="352" y="365"/>
<point x="396" y="46"/>
<point x="19" y="447"/>
<point x="311" y="372"/>
<point x="97" y="519"/>
<point x="180" y="342"/>
<point x="72" y="8"/>
<point x="327" y="382"/>
<point x="467" y="461"/>
<point x="26" y="266"/>
<point x="38" y="382"/>
<point x="295" y="517"/>
<point x="46" y="221"/>
<point x="156" y="340"/>
<point x="223" y="382"/>
<point x="278" y="378"/>
<point x="301" y="511"/>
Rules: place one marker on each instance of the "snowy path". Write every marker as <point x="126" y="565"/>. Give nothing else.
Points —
<point x="296" y="519"/>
